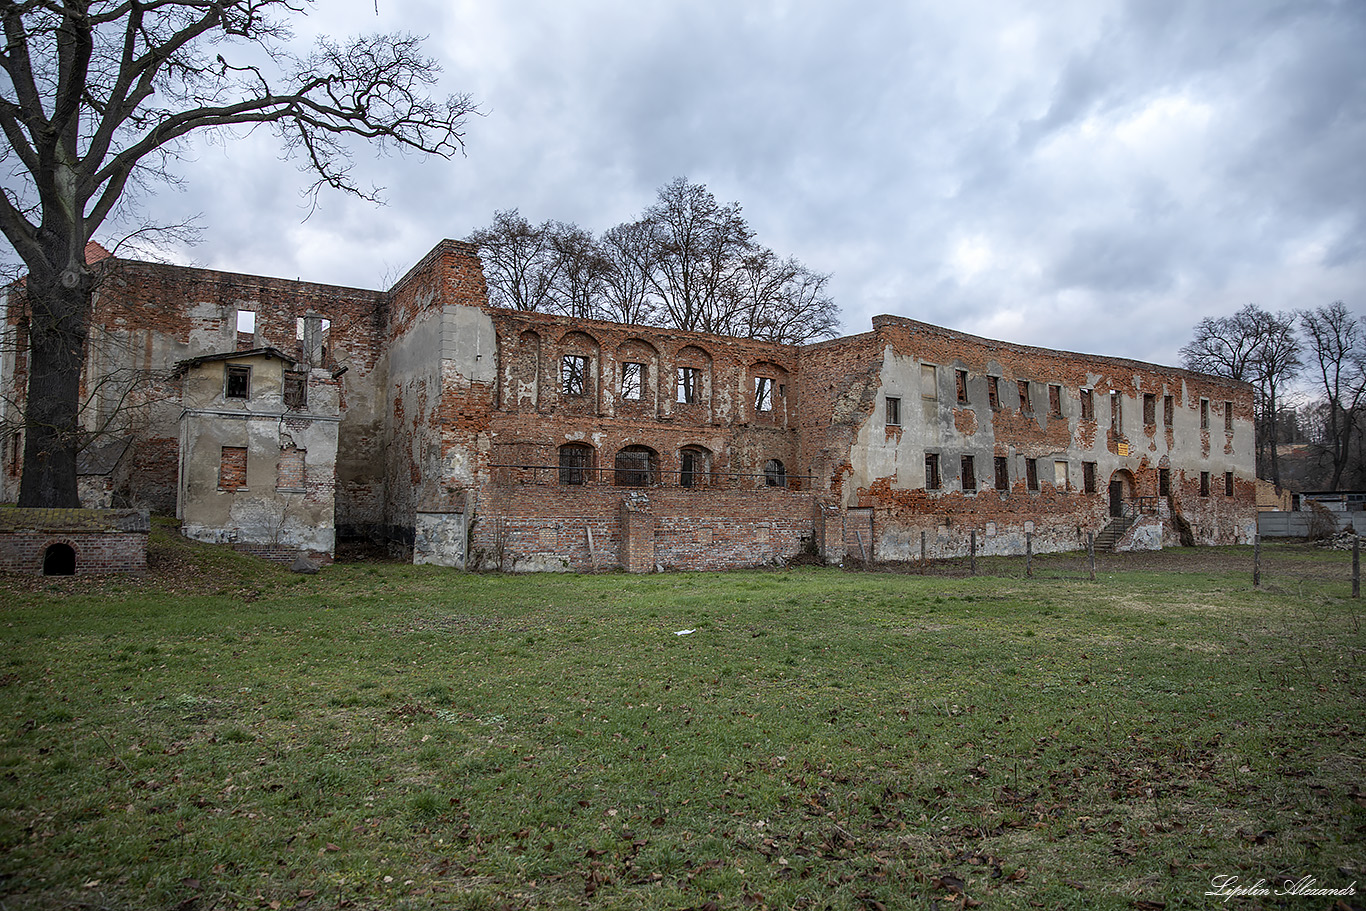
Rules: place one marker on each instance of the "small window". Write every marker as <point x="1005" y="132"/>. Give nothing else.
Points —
<point x="1032" y="474"/>
<point x="232" y="468"/>
<point x="1164" y="482"/>
<point x="1026" y="406"/>
<point x="968" y="474"/>
<point x="1061" y="477"/>
<point x="893" y="411"/>
<point x="1228" y="417"/>
<point x="295" y="389"/>
<point x="1228" y="483"/>
<point x="574" y="374"/>
<point x="1088" y="405"/>
<point x="994" y="392"/>
<point x="238" y="383"/>
<point x="1149" y="409"/>
<point x="246" y="330"/>
<point x="632" y="381"/>
<point x="763" y="394"/>
<point x="775" y="475"/>
<point x="576" y="460"/>
<point x="1055" y="401"/>
<point x="635" y="467"/>
<point x="1088" y="477"/>
<point x="1168" y="410"/>
<point x="1204" y="483"/>
<point x="1204" y="414"/>
<point x="960" y="379"/>
<point x="689" y="385"/>
<point x="929" y="382"/>
<point x="1116" y="412"/>
<point x="932" y="480"/>
<point x="1002" y="473"/>
<point x="695" y="465"/>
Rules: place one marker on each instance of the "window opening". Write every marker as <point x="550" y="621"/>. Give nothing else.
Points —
<point x="1061" y="475"/>
<point x="1088" y="476"/>
<point x="1228" y="483"/>
<point x="932" y="481"/>
<point x="929" y="382"/>
<point x="1088" y="405"/>
<point x="232" y="468"/>
<point x="1168" y="410"/>
<point x="689" y="385"/>
<point x="994" y="391"/>
<point x="1002" y="473"/>
<point x="59" y="560"/>
<point x="1032" y="474"/>
<point x="1025" y="405"/>
<point x="246" y="330"/>
<point x="1228" y="417"/>
<point x="695" y="468"/>
<point x="775" y="475"/>
<point x="632" y="381"/>
<point x="763" y="393"/>
<point x="1164" y="482"/>
<point x="576" y="460"/>
<point x="1149" y="409"/>
<point x="968" y="473"/>
<point x="1116" y="412"/>
<point x="295" y="389"/>
<point x="960" y="378"/>
<point x="574" y="374"/>
<point x="1055" y="400"/>
<point x="635" y="467"/>
<point x="238" y="382"/>
<point x="1204" y="414"/>
<point x="893" y="411"/>
<point x="290" y="475"/>
<point x="1204" y="483"/>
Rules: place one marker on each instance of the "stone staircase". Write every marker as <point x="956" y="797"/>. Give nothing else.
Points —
<point x="1109" y="535"/>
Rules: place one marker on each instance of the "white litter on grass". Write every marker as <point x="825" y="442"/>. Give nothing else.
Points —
<point x="685" y="632"/>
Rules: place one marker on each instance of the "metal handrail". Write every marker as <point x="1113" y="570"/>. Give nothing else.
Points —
<point x="653" y="477"/>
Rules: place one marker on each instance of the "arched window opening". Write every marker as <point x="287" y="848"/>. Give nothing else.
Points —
<point x="695" y="465"/>
<point x="636" y="466"/>
<point x="576" y="462"/>
<point x="775" y="475"/>
<point x="59" y="560"/>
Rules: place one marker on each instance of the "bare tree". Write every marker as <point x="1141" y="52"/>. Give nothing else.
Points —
<point x="783" y="301"/>
<point x="581" y="268"/>
<point x="520" y="264"/>
<point x="628" y="256"/>
<point x="1225" y="346"/>
<point x="98" y="97"/>
<point x="1277" y="363"/>
<point x="1337" y="350"/>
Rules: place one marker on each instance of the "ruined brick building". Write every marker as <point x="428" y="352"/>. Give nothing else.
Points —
<point x="277" y="415"/>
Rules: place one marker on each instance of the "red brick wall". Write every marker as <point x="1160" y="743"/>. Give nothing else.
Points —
<point x="98" y="552"/>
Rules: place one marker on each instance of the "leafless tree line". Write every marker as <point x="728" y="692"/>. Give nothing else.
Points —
<point x="687" y="263"/>
<point x="1325" y="348"/>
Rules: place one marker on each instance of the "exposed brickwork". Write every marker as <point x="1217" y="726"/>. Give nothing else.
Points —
<point x="103" y="541"/>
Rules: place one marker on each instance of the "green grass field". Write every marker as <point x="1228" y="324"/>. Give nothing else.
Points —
<point x="223" y="734"/>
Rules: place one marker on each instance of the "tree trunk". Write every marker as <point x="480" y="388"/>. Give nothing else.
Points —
<point x="59" y="309"/>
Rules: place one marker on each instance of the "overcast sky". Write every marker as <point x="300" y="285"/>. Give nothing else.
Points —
<point x="1093" y="175"/>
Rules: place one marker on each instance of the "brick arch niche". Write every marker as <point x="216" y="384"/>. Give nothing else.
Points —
<point x="79" y="542"/>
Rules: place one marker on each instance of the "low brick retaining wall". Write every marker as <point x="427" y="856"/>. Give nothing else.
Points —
<point x="73" y="541"/>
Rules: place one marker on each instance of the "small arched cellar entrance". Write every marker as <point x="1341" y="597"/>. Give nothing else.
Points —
<point x="1121" y="489"/>
<point x="59" y="560"/>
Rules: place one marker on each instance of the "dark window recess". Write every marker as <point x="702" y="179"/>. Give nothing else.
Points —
<point x="763" y="393"/>
<point x="632" y="381"/>
<point x="575" y="462"/>
<point x="1088" y="477"/>
<point x="1116" y="412"/>
<point x="295" y="389"/>
<point x="695" y="469"/>
<point x="1164" y="482"/>
<point x="893" y="412"/>
<point x="238" y="384"/>
<point x="689" y="385"/>
<point x="961" y="380"/>
<point x="932" y="481"/>
<point x="1228" y="417"/>
<point x="775" y="475"/>
<point x="1168" y="409"/>
<point x="1204" y="414"/>
<point x="635" y="467"/>
<point x="1088" y="405"/>
<point x="1026" y="405"/>
<point x="968" y="473"/>
<point x="1228" y="483"/>
<point x="1055" y="401"/>
<point x="994" y="391"/>
<point x="574" y="374"/>
<point x="1204" y="483"/>
<point x="1149" y="409"/>
<point x="59" y="560"/>
<point x="1002" y="473"/>
<point x="1032" y="474"/>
